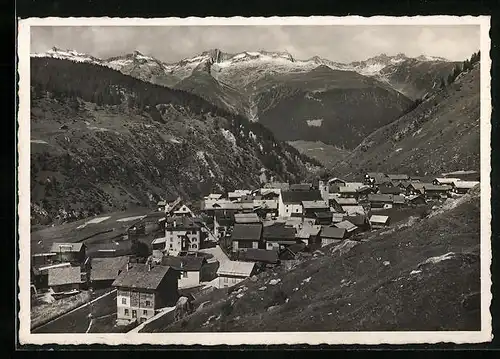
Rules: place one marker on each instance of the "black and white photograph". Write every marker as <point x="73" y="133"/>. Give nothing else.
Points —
<point x="254" y="180"/>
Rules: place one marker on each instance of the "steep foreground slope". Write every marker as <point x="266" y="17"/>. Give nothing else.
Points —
<point x="423" y="275"/>
<point x="102" y="141"/>
<point x="441" y="134"/>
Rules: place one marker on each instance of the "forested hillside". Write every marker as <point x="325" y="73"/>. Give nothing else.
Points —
<point x="103" y="141"/>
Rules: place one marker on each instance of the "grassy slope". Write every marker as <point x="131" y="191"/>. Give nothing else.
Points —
<point x="355" y="291"/>
<point x="327" y="155"/>
<point x="439" y="135"/>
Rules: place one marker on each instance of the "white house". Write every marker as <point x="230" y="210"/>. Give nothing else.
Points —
<point x="182" y="234"/>
<point x="290" y="202"/>
<point x="191" y="269"/>
<point x="232" y="272"/>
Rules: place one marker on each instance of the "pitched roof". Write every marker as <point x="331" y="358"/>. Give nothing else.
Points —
<point x="431" y="187"/>
<point x="448" y="180"/>
<point x="315" y="204"/>
<point x="66" y="247"/>
<point x="64" y="275"/>
<point x="346" y="201"/>
<point x="414" y="197"/>
<point x="182" y="223"/>
<point x="333" y="232"/>
<point x="259" y="255"/>
<point x="138" y="276"/>
<point x="184" y="263"/>
<point x="296" y="197"/>
<point x="398" y="199"/>
<point x="398" y="177"/>
<point x="347" y="225"/>
<point x="237" y="268"/>
<point x="353" y="209"/>
<point x="380" y="197"/>
<point x="278" y="185"/>
<point x="246" y="232"/>
<point x="298" y="221"/>
<point x="335" y="179"/>
<point x="107" y="268"/>
<point x="323" y="215"/>
<point x="246" y="218"/>
<point x="465" y="184"/>
<point x="379" y="219"/>
<point x="278" y="231"/>
<point x="307" y="231"/>
<point x="337" y="217"/>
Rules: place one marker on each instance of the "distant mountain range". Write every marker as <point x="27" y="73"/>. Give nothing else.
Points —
<point x="312" y="100"/>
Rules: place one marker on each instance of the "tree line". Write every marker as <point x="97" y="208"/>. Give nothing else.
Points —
<point x="466" y="66"/>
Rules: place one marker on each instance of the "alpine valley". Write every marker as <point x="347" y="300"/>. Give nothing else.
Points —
<point x="109" y="132"/>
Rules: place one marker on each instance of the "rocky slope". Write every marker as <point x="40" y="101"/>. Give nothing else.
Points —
<point x="401" y="279"/>
<point x="102" y="141"/>
<point x="441" y="134"/>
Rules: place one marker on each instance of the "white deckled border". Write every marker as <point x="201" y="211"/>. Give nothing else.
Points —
<point x="313" y="338"/>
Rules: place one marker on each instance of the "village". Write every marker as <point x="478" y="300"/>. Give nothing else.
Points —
<point x="180" y="252"/>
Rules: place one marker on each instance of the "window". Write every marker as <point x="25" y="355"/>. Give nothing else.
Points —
<point x="296" y="210"/>
<point x="145" y="312"/>
<point x="225" y="279"/>
<point x="194" y="246"/>
<point x="148" y="303"/>
<point x="184" y="274"/>
<point x="126" y="311"/>
<point x="234" y="280"/>
<point x="134" y="313"/>
<point x="124" y="300"/>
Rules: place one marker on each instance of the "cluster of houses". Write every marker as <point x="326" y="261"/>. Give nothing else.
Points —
<point x="252" y="230"/>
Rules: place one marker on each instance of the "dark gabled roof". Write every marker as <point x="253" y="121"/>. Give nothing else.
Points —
<point x="138" y="276"/>
<point x="259" y="255"/>
<point x="389" y="190"/>
<point x="431" y="187"/>
<point x="107" y="268"/>
<point x="333" y="232"/>
<point x="247" y="232"/>
<point x="300" y="186"/>
<point x="358" y="220"/>
<point x="279" y="231"/>
<point x="296" y="197"/>
<point x="323" y="215"/>
<point x="380" y="197"/>
<point x="182" y="223"/>
<point x="185" y="263"/>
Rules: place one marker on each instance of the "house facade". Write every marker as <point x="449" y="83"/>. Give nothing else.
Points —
<point x="290" y="202"/>
<point x="246" y="235"/>
<point x="231" y="273"/>
<point x="183" y="234"/>
<point x="74" y="253"/>
<point x="191" y="269"/>
<point x="142" y="289"/>
<point x="65" y="279"/>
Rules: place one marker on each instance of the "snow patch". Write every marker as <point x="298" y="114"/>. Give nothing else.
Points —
<point x="315" y="123"/>
<point x="399" y="149"/>
<point x="435" y="260"/>
<point x="228" y="135"/>
<point x="127" y="219"/>
<point x="93" y="221"/>
<point x="39" y="141"/>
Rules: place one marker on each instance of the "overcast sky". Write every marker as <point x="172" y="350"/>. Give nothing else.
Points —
<point x="337" y="43"/>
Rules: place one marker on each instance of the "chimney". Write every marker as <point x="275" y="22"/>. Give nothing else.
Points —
<point x="149" y="266"/>
<point x="128" y="266"/>
<point x="175" y="223"/>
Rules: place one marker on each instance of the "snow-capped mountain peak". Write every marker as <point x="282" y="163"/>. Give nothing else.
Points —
<point x="72" y="55"/>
